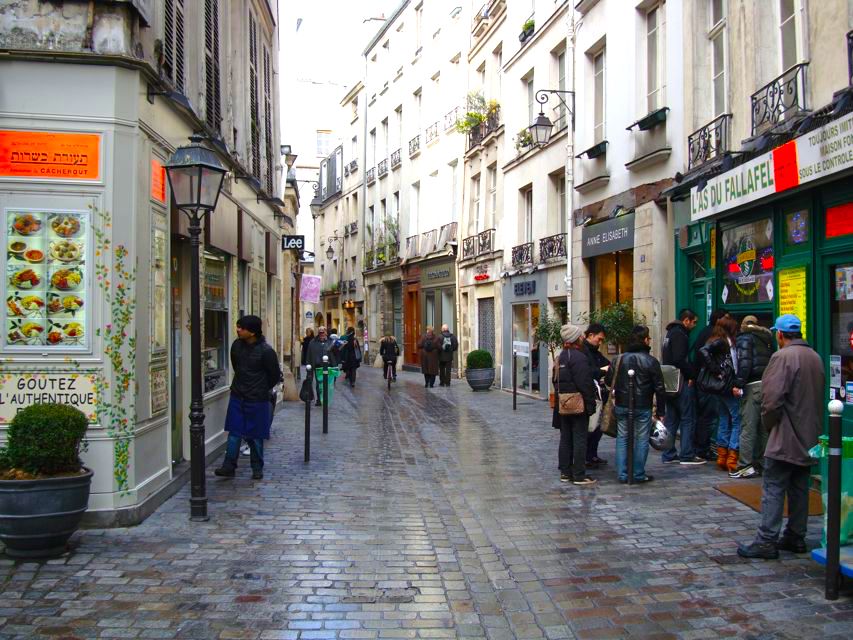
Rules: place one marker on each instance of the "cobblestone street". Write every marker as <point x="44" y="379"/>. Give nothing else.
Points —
<point x="427" y="514"/>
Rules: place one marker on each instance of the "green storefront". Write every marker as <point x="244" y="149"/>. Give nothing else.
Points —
<point x="775" y="235"/>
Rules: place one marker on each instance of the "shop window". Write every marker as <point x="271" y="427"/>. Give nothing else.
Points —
<point x="216" y="325"/>
<point x="796" y="229"/>
<point x="525" y="319"/>
<point x="159" y="290"/>
<point x="561" y="311"/>
<point x="748" y="263"/>
<point x="841" y="318"/>
<point x="613" y="278"/>
<point x="697" y="265"/>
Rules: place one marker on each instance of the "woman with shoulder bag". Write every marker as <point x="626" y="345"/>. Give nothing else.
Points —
<point x="576" y="397"/>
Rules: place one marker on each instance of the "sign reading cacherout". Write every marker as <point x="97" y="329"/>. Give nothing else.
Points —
<point x="608" y="236"/>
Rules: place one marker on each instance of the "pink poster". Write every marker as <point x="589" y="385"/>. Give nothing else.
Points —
<point x="310" y="289"/>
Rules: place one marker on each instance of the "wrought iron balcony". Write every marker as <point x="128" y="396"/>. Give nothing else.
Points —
<point x="412" y="247"/>
<point x="369" y="257"/>
<point x="485" y="241"/>
<point x="414" y="145"/>
<point x="353" y="166"/>
<point x="351" y="286"/>
<point x="396" y="161"/>
<point x="469" y="247"/>
<point x="346" y="170"/>
<point x="779" y="99"/>
<point x="552" y="247"/>
<point x="371" y="175"/>
<point x="451" y="118"/>
<point x="432" y="132"/>
<point x="493" y="120"/>
<point x="522" y="254"/>
<point x="475" y="137"/>
<point x="383" y="168"/>
<point x="353" y="228"/>
<point x="392" y="251"/>
<point x="709" y="142"/>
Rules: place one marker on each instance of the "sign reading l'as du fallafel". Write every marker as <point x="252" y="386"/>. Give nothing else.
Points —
<point x="20" y="390"/>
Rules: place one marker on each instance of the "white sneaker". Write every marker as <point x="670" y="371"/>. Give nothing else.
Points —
<point x="244" y="450"/>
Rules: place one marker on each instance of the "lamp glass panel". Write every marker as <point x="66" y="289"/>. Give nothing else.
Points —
<point x="211" y="181"/>
<point x="183" y="181"/>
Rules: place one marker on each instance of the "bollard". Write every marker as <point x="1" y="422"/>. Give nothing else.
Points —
<point x="325" y="394"/>
<point x="309" y="377"/>
<point x="631" y="435"/>
<point x="514" y="376"/>
<point x="833" y="502"/>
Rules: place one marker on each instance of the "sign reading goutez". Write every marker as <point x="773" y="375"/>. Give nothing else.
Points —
<point x="19" y="390"/>
<point x="608" y="236"/>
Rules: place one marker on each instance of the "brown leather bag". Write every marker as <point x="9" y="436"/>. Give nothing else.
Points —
<point x="569" y="404"/>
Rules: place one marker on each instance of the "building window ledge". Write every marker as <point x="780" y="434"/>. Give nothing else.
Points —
<point x="596" y="150"/>
<point x="650" y="159"/>
<point x="595" y="183"/>
<point x="651" y="120"/>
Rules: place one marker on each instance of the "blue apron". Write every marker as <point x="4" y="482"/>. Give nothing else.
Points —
<point x="250" y="420"/>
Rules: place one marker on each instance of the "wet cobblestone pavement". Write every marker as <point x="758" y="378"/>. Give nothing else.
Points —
<point x="427" y="514"/>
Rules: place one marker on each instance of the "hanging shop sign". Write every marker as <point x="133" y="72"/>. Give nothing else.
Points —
<point x="810" y="157"/>
<point x="792" y="294"/>
<point x="49" y="155"/>
<point x="158" y="181"/>
<point x="293" y="242"/>
<point x="608" y="236"/>
<point x="20" y="390"/>
<point x="309" y="289"/>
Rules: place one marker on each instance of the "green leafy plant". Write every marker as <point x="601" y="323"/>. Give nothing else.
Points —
<point x="44" y="440"/>
<point x="479" y="359"/>
<point x="476" y="113"/>
<point x="523" y="140"/>
<point x="618" y="319"/>
<point x="529" y="25"/>
<point x="548" y="332"/>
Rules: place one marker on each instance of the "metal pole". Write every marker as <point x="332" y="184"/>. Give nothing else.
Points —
<point x="833" y="502"/>
<point x="198" y="494"/>
<point x="308" y="373"/>
<point x="630" y="426"/>
<point x="325" y="394"/>
<point x="514" y="377"/>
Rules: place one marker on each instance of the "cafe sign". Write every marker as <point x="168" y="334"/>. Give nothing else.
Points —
<point x="49" y="155"/>
<point x="616" y="234"/>
<point x="20" y="390"/>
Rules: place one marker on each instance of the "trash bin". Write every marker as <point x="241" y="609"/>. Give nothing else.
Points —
<point x="821" y="452"/>
<point x="334" y="372"/>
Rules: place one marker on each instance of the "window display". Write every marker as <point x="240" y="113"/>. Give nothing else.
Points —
<point x="216" y="337"/>
<point x="47" y="256"/>
<point x="159" y="288"/>
<point x="748" y="263"/>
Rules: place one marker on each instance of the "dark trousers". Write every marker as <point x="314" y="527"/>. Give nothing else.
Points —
<point x="592" y="440"/>
<point x="572" y="452"/>
<point x="232" y="452"/>
<point x="781" y="478"/>
<point x="681" y="414"/>
<point x="707" y="415"/>
<point x="393" y="364"/>
<point x="444" y="373"/>
<point x="429" y="380"/>
<point x="350" y="375"/>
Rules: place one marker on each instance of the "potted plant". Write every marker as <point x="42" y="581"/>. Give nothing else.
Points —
<point x="44" y="487"/>
<point x="480" y="370"/>
<point x="523" y="140"/>
<point x="618" y="319"/>
<point x="527" y="30"/>
<point x="548" y="333"/>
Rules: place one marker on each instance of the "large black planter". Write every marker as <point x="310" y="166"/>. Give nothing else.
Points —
<point x="37" y="517"/>
<point x="480" y="379"/>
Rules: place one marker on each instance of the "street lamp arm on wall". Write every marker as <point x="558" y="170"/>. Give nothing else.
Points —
<point x="542" y="127"/>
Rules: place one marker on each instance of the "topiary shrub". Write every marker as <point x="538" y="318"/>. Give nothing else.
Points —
<point x="44" y="440"/>
<point x="479" y="359"/>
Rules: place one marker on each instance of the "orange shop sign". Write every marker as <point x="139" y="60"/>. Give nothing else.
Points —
<point x="49" y="155"/>
<point x="158" y="181"/>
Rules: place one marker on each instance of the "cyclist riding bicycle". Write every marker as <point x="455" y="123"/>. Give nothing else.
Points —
<point x="389" y="350"/>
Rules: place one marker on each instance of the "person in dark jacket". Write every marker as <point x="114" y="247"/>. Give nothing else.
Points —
<point x="572" y="374"/>
<point x="319" y="347"/>
<point x="707" y="405"/>
<point x="306" y="342"/>
<point x="594" y="337"/>
<point x="389" y="351"/>
<point x="681" y="410"/>
<point x="448" y="346"/>
<point x="754" y="345"/>
<point x="350" y="356"/>
<point x="429" y="346"/>
<point x="249" y="417"/>
<point x="648" y="387"/>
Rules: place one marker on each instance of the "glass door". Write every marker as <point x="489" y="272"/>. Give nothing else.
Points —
<point x="840" y="276"/>
<point x="525" y="318"/>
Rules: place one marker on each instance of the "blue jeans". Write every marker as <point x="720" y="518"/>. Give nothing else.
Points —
<point x="232" y="452"/>
<point x="642" y="427"/>
<point x="728" y="433"/>
<point x="681" y="413"/>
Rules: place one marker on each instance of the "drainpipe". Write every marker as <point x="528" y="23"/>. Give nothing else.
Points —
<point x="570" y="161"/>
<point x="363" y="212"/>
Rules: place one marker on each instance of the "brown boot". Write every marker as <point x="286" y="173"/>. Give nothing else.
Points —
<point x="722" y="458"/>
<point x="732" y="460"/>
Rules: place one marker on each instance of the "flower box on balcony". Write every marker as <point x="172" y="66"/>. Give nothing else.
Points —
<point x="650" y="121"/>
<point x="596" y="150"/>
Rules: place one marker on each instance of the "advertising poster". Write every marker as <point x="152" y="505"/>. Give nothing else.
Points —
<point x="310" y="289"/>
<point x="792" y="294"/>
<point x="748" y="263"/>
<point x="844" y="284"/>
<point x="835" y="371"/>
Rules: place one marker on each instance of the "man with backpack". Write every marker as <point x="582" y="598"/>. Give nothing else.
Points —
<point x="449" y="346"/>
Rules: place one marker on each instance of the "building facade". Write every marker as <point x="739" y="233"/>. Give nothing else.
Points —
<point x="97" y="274"/>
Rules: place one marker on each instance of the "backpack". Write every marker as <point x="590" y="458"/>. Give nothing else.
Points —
<point x="447" y="344"/>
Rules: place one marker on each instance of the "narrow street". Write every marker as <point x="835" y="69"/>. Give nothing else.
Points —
<point x="426" y="514"/>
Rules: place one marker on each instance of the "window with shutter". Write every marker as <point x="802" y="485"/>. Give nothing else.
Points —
<point x="173" y="43"/>
<point x="268" y="141"/>
<point x="213" y="110"/>
<point x="254" y="115"/>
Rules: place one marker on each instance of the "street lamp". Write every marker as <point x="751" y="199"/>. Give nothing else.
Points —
<point x="542" y="127"/>
<point x="195" y="180"/>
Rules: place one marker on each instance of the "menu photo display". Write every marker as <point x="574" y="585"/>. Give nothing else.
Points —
<point x="46" y="263"/>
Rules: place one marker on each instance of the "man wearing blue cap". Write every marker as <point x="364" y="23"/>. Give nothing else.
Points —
<point x="792" y="412"/>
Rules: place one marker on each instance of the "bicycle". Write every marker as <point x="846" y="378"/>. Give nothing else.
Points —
<point x="389" y="375"/>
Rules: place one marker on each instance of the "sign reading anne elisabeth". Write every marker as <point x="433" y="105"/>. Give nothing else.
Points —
<point x="612" y="235"/>
<point x="49" y="155"/>
<point x="20" y="390"/>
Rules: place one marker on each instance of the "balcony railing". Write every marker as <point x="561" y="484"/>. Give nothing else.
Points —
<point x="485" y="241"/>
<point x="396" y="161"/>
<point x="414" y="145"/>
<point x="412" y="247"/>
<point x="353" y="228"/>
<point x="432" y="132"/>
<point x="779" y="99"/>
<point x="469" y="249"/>
<point x="491" y="124"/>
<point x="522" y="254"/>
<point x="428" y="242"/>
<point x="451" y="118"/>
<point x="346" y="170"/>
<point x="371" y="175"/>
<point x="552" y="247"/>
<point x="446" y="235"/>
<point x="353" y="166"/>
<point x="383" y="168"/>
<point x="493" y="120"/>
<point x="709" y="142"/>
<point x="475" y="137"/>
<point x="351" y="286"/>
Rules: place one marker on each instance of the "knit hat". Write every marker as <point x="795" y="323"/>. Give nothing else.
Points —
<point x="252" y="324"/>
<point x="570" y="333"/>
<point x="748" y="320"/>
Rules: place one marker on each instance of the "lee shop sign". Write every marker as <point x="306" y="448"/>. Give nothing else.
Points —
<point x="810" y="157"/>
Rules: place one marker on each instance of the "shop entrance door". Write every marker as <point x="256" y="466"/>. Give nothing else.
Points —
<point x="837" y="341"/>
<point x="525" y="319"/>
<point x="412" y="326"/>
<point x="397" y="305"/>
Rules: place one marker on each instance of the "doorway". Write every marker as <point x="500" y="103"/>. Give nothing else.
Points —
<point x="838" y="347"/>
<point x="412" y="326"/>
<point x="397" y="309"/>
<point x="525" y="319"/>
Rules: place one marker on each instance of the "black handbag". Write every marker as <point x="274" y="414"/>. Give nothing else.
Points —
<point x="306" y="393"/>
<point x="718" y="382"/>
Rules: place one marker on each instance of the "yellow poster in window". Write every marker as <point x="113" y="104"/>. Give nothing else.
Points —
<point x="792" y="294"/>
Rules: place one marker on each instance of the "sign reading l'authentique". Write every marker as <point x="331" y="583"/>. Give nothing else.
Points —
<point x="19" y="390"/>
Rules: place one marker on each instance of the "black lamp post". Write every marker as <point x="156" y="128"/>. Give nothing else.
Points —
<point x="195" y="179"/>
<point x="542" y="127"/>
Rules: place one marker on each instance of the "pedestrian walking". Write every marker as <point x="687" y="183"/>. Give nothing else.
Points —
<point x="572" y="375"/>
<point x="649" y="396"/>
<point x="350" y="356"/>
<point x="707" y="409"/>
<point x="719" y="367"/>
<point x="319" y="347"/>
<point x="594" y="337"/>
<point x="449" y="346"/>
<point x="754" y="346"/>
<point x="792" y="412"/>
<point x="389" y="350"/>
<point x="681" y="410"/>
<point x="306" y="342"/>
<point x="249" y="416"/>
<point x="429" y="346"/>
